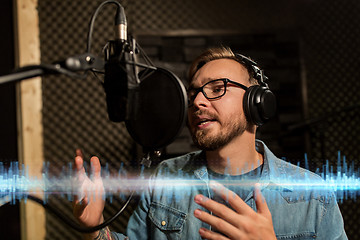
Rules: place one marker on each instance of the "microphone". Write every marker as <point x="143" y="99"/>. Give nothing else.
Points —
<point x="116" y="74"/>
<point x="152" y="102"/>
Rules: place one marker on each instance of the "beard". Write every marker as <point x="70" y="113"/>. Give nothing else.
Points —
<point x="230" y="128"/>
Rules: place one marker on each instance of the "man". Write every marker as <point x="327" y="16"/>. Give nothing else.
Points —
<point x="224" y="131"/>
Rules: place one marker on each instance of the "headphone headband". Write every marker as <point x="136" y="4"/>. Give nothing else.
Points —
<point x="253" y="66"/>
<point x="259" y="102"/>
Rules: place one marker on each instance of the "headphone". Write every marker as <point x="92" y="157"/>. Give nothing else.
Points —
<point x="259" y="102"/>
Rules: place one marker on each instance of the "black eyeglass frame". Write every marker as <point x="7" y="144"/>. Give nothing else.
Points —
<point x="201" y="89"/>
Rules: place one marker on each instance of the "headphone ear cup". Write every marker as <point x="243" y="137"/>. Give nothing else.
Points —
<point x="259" y="104"/>
<point x="248" y="104"/>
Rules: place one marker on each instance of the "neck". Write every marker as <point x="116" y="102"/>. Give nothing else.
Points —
<point x="238" y="156"/>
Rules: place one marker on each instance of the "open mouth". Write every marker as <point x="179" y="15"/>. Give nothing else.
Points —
<point x="203" y="119"/>
<point x="203" y="122"/>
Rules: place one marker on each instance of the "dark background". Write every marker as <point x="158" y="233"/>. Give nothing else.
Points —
<point x="10" y="214"/>
<point x="308" y="48"/>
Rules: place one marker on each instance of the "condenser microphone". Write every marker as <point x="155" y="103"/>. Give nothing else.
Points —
<point x="116" y="74"/>
<point x="152" y="101"/>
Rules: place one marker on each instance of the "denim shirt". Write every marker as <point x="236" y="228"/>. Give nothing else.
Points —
<point x="166" y="208"/>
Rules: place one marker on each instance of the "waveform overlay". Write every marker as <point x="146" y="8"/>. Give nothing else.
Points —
<point x="16" y="184"/>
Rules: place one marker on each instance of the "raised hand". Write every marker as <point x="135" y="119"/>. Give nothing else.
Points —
<point x="241" y="223"/>
<point x="89" y="202"/>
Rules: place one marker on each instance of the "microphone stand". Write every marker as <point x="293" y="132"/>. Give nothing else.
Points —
<point x="69" y="67"/>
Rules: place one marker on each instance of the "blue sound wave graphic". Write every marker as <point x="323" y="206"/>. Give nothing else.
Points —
<point x="16" y="184"/>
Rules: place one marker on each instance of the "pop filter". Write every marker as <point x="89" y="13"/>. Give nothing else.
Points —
<point x="161" y="109"/>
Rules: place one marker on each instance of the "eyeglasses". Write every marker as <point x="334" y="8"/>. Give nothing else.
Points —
<point x="212" y="90"/>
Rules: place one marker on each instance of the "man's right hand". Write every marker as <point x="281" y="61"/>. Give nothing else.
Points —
<point x="89" y="202"/>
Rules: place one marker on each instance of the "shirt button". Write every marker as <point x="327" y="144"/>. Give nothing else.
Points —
<point x="163" y="223"/>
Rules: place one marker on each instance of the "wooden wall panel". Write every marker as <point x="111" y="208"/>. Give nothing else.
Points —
<point x="29" y="113"/>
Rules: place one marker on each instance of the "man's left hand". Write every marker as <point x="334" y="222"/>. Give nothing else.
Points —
<point x="241" y="223"/>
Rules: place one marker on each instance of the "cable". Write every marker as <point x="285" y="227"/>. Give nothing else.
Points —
<point x="74" y="225"/>
<point x="120" y="13"/>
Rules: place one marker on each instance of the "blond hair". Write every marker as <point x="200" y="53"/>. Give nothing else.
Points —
<point x="214" y="54"/>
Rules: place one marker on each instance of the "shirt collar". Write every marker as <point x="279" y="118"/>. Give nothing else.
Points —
<point x="272" y="171"/>
<point x="201" y="169"/>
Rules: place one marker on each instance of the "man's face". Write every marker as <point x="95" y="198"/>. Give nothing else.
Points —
<point x="215" y="123"/>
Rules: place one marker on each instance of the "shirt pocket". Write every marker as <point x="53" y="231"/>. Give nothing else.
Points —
<point x="297" y="236"/>
<point x="166" y="218"/>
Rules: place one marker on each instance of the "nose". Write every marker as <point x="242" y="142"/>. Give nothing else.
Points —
<point x="200" y="100"/>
